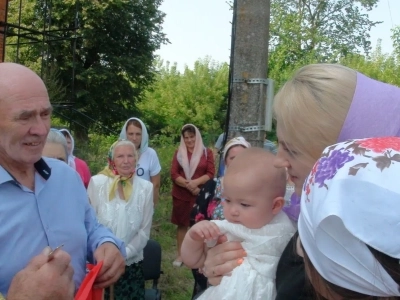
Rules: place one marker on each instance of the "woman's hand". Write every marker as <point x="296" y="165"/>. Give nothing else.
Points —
<point x="196" y="191"/>
<point x="222" y="259"/>
<point x="191" y="185"/>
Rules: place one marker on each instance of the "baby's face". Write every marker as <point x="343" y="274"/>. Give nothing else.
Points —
<point x="245" y="203"/>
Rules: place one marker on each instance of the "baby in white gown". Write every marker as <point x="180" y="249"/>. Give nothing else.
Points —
<point x="254" y="196"/>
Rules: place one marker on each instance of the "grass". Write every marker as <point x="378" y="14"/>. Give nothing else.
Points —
<point x="175" y="283"/>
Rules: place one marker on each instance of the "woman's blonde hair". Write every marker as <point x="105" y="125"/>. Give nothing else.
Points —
<point x="313" y="105"/>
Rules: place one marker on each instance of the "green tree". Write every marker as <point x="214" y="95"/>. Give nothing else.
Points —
<point x="396" y="42"/>
<point x="115" y="45"/>
<point x="195" y="96"/>
<point x="307" y="31"/>
<point x="380" y="66"/>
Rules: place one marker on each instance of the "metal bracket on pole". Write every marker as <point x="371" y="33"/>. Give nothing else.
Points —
<point x="251" y="80"/>
<point x="234" y="128"/>
<point x="246" y="128"/>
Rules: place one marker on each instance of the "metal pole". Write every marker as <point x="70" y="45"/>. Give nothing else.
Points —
<point x="4" y="32"/>
<point x="19" y="30"/>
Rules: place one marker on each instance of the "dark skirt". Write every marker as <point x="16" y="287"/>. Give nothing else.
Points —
<point x="181" y="211"/>
<point x="130" y="285"/>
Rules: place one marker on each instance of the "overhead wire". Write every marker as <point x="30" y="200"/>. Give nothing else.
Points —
<point x="230" y="81"/>
<point x="390" y="12"/>
<point x="231" y="72"/>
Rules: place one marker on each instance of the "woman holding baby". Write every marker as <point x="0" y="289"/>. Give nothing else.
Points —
<point x="339" y="226"/>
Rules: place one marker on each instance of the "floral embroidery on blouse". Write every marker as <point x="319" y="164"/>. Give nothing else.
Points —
<point x="215" y="210"/>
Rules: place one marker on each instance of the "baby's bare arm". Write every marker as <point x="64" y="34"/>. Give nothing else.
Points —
<point x="192" y="251"/>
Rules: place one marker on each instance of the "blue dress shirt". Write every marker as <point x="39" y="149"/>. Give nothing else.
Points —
<point x="56" y="212"/>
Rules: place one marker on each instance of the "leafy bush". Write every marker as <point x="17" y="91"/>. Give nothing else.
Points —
<point x="165" y="148"/>
<point x="95" y="151"/>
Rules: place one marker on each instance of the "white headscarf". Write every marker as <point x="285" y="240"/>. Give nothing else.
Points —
<point x="71" y="157"/>
<point x="144" y="144"/>
<point x="190" y="167"/>
<point x="350" y="200"/>
<point x="235" y="142"/>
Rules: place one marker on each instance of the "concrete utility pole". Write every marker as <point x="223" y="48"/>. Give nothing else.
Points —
<point x="250" y="64"/>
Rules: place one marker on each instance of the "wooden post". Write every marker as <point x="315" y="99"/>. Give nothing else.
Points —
<point x="250" y="64"/>
<point x="3" y="20"/>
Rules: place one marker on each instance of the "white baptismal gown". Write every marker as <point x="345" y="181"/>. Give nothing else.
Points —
<point x="254" y="279"/>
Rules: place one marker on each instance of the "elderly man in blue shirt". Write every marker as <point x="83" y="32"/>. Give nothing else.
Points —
<point x="43" y="203"/>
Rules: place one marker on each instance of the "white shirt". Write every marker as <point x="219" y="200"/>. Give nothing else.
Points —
<point x="148" y="164"/>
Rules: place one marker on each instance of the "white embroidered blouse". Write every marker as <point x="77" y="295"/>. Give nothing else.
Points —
<point x="129" y="220"/>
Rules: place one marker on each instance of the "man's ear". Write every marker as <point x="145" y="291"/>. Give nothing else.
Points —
<point x="277" y="205"/>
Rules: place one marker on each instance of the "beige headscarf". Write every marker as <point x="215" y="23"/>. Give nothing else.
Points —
<point x="190" y="167"/>
<point x="236" y="141"/>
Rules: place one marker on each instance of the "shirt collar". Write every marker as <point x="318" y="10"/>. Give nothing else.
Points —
<point x="40" y="166"/>
<point x="43" y="169"/>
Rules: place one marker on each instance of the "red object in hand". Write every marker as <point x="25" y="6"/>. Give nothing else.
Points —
<point x="86" y="290"/>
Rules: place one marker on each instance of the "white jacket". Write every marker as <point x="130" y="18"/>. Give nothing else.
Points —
<point x="128" y="220"/>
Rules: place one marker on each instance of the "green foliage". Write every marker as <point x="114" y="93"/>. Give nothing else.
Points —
<point x="115" y="46"/>
<point x="380" y="66"/>
<point x="95" y="151"/>
<point x="308" y="31"/>
<point x="165" y="149"/>
<point x="396" y="42"/>
<point x="195" y="96"/>
<point x="56" y="122"/>
<point x="55" y="87"/>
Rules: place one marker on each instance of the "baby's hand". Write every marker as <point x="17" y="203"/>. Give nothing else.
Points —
<point x="204" y="230"/>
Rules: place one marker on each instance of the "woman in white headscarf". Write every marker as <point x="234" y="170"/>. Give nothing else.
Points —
<point x="74" y="162"/>
<point x="349" y="220"/>
<point x="148" y="166"/>
<point x="192" y="166"/>
<point x="56" y="146"/>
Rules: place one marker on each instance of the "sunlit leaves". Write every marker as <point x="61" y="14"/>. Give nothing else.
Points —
<point x="198" y="96"/>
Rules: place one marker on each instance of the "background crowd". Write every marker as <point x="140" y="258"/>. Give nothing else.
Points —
<point x="338" y="146"/>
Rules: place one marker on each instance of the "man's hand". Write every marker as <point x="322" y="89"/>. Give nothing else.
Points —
<point x="113" y="264"/>
<point x="44" y="279"/>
